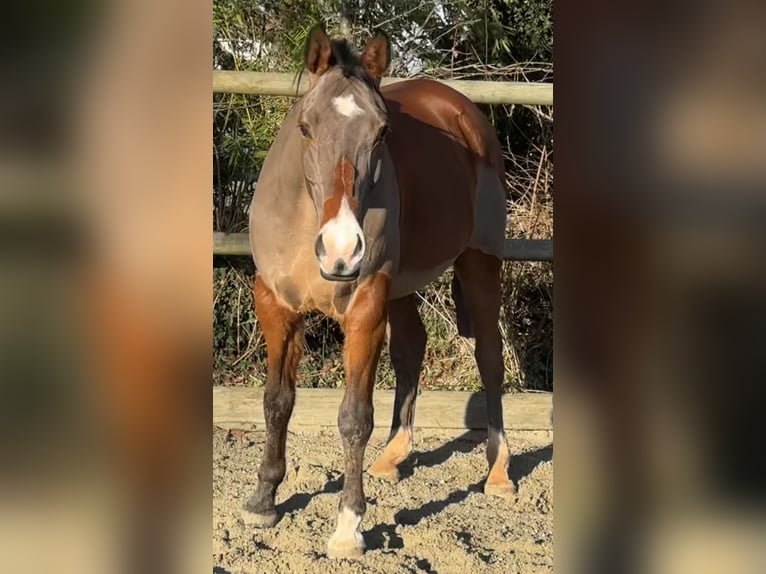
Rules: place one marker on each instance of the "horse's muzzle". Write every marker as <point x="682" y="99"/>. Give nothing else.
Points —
<point x="339" y="261"/>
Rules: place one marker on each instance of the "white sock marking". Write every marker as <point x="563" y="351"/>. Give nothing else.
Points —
<point x="348" y="529"/>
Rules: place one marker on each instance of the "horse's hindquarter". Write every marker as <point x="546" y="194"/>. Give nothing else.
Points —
<point x="448" y="164"/>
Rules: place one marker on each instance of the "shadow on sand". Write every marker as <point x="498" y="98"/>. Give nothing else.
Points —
<point x="520" y="466"/>
<point x="384" y="535"/>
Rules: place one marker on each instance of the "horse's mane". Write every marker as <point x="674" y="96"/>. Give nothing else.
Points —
<point x="348" y="61"/>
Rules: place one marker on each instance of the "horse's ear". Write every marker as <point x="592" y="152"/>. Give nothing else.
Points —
<point x="317" y="54"/>
<point x="377" y="55"/>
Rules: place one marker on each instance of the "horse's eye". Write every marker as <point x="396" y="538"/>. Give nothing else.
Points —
<point x="383" y="133"/>
<point x="305" y="131"/>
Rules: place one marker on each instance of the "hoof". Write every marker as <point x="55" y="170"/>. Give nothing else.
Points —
<point x="384" y="471"/>
<point x="258" y="519"/>
<point x="505" y="491"/>
<point x="350" y="549"/>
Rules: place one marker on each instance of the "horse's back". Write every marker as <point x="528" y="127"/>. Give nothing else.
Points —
<point x="449" y="170"/>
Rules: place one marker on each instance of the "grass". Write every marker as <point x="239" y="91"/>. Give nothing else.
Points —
<point x="526" y="326"/>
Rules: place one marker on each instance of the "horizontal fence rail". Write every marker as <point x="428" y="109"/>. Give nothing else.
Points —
<point x="236" y="407"/>
<point x="285" y="84"/>
<point x="515" y="249"/>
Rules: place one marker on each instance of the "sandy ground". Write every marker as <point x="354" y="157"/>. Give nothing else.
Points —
<point x="435" y="520"/>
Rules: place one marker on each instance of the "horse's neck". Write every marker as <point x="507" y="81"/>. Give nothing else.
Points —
<point x="281" y="202"/>
<point x="381" y="219"/>
<point x="288" y="152"/>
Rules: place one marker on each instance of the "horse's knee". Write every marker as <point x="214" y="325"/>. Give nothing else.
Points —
<point x="355" y="422"/>
<point x="278" y="402"/>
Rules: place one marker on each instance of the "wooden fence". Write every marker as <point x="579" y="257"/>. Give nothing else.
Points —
<point x="515" y="249"/>
<point x="284" y="84"/>
<point x="240" y="407"/>
<point x="233" y="407"/>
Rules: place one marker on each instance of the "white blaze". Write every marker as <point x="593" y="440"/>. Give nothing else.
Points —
<point x="346" y="106"/>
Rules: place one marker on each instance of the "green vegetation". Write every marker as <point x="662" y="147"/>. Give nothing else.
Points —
<point x="502" y="40"/>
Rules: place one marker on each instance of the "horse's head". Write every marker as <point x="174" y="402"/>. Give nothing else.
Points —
<point x="343" y="120"/>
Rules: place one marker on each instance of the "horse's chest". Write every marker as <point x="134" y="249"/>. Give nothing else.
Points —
<point x="285" y="260"/>
<point x="299" y="284"/>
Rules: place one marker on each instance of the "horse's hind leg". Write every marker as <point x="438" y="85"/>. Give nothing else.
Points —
<point x="407" y="348"/>
<point x="479" y="275"/>
<point x="283" y="331"/>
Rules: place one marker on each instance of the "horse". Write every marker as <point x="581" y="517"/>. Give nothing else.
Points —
<point x="368" y="194"/>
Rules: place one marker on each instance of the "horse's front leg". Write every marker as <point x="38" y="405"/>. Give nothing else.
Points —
<point x="283" y="331"/>
<point x="364" y="325"/>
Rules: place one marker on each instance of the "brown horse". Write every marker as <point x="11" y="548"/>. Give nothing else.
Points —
<point x="367" y="195"/>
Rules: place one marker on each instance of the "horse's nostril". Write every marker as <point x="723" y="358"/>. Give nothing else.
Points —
<point x="358" y="248"/>
<point x="319" y="249"/>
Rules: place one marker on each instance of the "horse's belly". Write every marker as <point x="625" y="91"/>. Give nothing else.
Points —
<point x="406" y="282"/>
